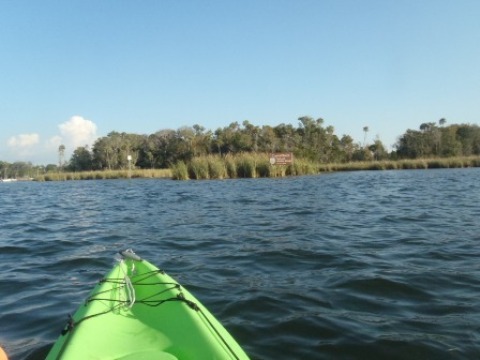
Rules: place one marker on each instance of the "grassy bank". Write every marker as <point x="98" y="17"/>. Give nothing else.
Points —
<point x="246" y="165"/>
<point x="105" y="174"/>
<point x="251" y="165"/>
<point x="436" y="163"/>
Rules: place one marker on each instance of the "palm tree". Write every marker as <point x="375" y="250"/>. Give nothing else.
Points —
<point x="61" y="156"/>
<point x="365" y="130"/>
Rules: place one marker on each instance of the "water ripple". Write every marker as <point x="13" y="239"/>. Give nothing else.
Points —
<point x="352" y="265"/>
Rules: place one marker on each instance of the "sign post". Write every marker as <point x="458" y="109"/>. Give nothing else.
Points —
<point x="281" y="158"/>
<point x="129" y="158"/>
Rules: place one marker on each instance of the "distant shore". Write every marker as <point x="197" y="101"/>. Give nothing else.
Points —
<point x="251" y="166"/>
<point x="106" y="174"/>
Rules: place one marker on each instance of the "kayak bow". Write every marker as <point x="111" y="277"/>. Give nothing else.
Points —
<point x="139" y="312"/>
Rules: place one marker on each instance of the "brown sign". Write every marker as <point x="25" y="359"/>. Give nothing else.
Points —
<point x="281" y="159"/>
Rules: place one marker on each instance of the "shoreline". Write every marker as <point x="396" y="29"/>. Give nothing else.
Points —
<point x="252" y="167"/>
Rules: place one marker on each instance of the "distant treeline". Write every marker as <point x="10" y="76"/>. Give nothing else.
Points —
<point x="433" y="140"/>
<point x="310" y="140"/>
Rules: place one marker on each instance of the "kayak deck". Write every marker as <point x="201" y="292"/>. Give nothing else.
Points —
<point x="140" y="312"/>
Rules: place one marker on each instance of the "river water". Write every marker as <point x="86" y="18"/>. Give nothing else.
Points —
<point x="358" y="265"/>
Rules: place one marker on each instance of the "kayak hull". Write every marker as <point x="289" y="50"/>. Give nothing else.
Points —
<point x="140" y="312"/>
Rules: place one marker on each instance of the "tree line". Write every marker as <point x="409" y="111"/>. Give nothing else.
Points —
<point x="438" y="140"/>
<point x="310" y="140"/>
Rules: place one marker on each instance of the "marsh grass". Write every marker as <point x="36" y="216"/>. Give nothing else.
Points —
<point x="230" y="166"/>
<point x="216" y="167"/>
<point x="243" y="165"/>
<point x="264" y="168"/>
<point x="198" y="168"/>
<point x="179" y="171"/>
<point x="105" y="175"/>
<point x="253" y="165"/>
<point x="302" y="167"/>
<point x="404" y="164"/>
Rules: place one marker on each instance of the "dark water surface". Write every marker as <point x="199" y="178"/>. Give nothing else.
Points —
<point x="361" y="265"/>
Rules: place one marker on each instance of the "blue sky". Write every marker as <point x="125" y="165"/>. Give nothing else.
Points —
<point x="72" y="71"/>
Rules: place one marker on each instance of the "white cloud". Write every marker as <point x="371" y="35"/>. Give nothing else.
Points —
<point x="23" y="141"/>
<point x="78" y="132"/>
<point x="75" y="132"/>
<point x="23" y="146"/>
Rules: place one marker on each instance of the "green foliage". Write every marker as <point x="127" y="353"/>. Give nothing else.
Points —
<point x="81" y="160"/>
<point x="251" y="165"/>
<point x="434" y="141"/>
<point x="180" y="171"/>
<point x="258" y="165"/>
<point x="245" y="165"/>
<point x="198" y="168"/>
<point x="216" y="167"/>
<point x="230" y="166"/>
<point x="263" y="167"/>
<point x="18" y="170"/>
<point x="241" y="150"/>
<point x="310" y="140"/>
<point x="302" y="167"/>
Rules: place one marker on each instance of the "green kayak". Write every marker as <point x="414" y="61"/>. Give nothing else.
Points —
<point x="140" y="312"/>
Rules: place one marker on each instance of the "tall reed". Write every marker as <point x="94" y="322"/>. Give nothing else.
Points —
<point x="198" y="168"/>
<point x="405" y="164"/>
<point x="252" y="165"/>
<point x="230" y="166"/>
<point x="302" y="167"/>
<point x="179" y="171"/>
<point x="245" y="164"/>
<point x="216" y="167"/>
<point x="105" y="174"/>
